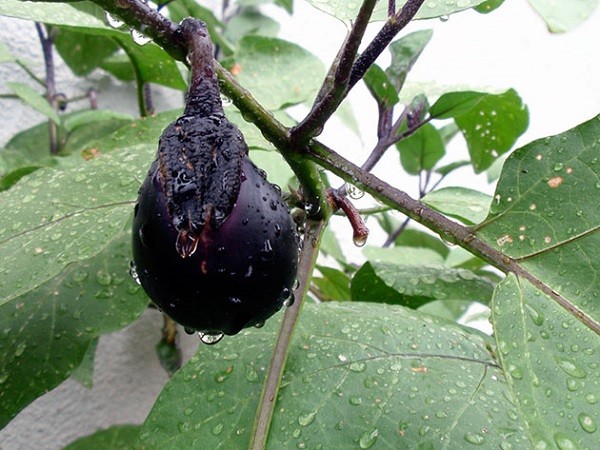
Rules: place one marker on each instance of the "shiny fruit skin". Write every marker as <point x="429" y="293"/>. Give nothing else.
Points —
<point x="240" y="273"/>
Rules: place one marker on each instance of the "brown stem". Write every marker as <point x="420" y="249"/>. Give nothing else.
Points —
<point x="47" y="42"/>
<point x="360" y="230"/>
<point x="266" y="406"/>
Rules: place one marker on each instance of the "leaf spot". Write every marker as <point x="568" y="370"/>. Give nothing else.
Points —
<point x="555" y="182"/>
<point x="506" y="238"/>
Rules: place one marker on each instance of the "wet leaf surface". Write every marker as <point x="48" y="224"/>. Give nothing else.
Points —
<point x="358" y="376"/>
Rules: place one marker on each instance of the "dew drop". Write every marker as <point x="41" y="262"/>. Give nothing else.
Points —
<point x="357" y="367"/>
<point x="563" y="442"/>
<point x="210" y="338"/>
<point x="217" y="429"/>
<point x="3" y="377"/>
<point x="360" y="240"/>
<point x="587" y="423"/>
<point x="259" y="324"/>
<point x="354" y="192"/>
<point x="113" y="21"/>
<point x="570" y="368"/>
<point x="266" y="252"/>
<point x="368" y="438"/>
<point x="474" y="438"/>
<point x="20" y="349"/>
<point x="133" y="273"/>
<point x="306" y="419"/>
<point x="289" y="301"/>
<point x="226" y="101"/>
<point x="445" y="18"/>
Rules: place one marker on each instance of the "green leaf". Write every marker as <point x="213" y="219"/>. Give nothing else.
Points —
<point x="32" y="98"/>
<point x="454" y="104"/>
<point x="421" y="150"/>
<point x="333" y="285"/>
<point x="467" y="205"/>
<point x="357" y="376"/>
<point x="564" y="16"/>
<point x="552" y="365"/>
<point x="380" y="87"/>
<point x="421" y="239"/>
<point x="76" y="15"/>
<point x="47" y="331"/>
<point x="403" y="255"/>
<point x="83" y="52"/>
<point x="117" y="437"/>
<point x="278" y="171"/>
<point x="84" y="372"/>
<point x="417" y="285"/>
<point x="492" y="127"/>
<point x="250" y="21"/>
<point x="330" y="246"/>
<point x="151" y="64"/>
<point x="451" y="167"/>
<point x="405" y="52"/>
<point x="276" y="72"/>
<point x="62" y="216"/>
<point x="488" y="6"/>
<point x="545" y="213"/>
<point x="347" y="10"/>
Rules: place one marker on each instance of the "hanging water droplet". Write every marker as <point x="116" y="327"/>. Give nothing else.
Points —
<point x="210" y="338"/>
<point x="259" y="324"/>
<point x="360" y="240"/>
<point x="133" y="273"/>
<point x="226" y="101"/>
<point x="189" y="330"/>
<point x="113" y="21"/>
<point x="444" y="18"/>
<point x="139" y="38"/>
<point x="312" y="208"/>
<point x="290" y="300"/>
<point x="354" y="192"/>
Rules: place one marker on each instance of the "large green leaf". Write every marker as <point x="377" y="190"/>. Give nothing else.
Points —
<point x="415" y="285"/>
<point x="276" y="72"/>
<point x="358" y="376"/>
<point x="545" y="215"/>
<point x="47" y="331"/>
<point x="348" y="9"/>
<point x="117" y="437"/>
<point x="380" y="87"/>
<point x="552" y="365"/>
<point x="564" y="16"/>
<point x="61" y="216"/>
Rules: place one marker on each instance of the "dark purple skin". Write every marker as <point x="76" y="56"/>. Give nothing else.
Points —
<point x="240" y="273"/>
<point x="214" y="245"/>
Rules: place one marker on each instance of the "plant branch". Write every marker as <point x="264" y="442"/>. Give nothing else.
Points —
<point x="334" y="88"/>
<point x="47" y="42"/>
<point x="392" y="27"/>
<point x="308" y="257"/>
<point x="448" y="230"/>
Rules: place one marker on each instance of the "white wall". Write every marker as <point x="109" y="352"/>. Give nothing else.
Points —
<point x="557" y="76"/>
